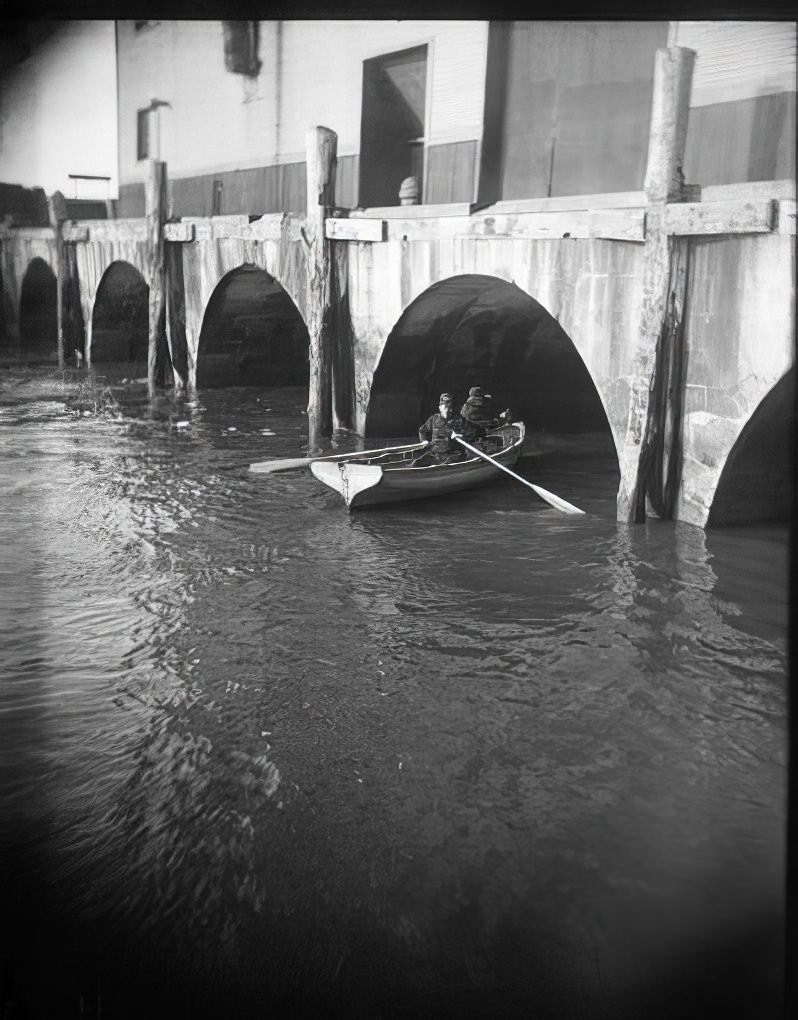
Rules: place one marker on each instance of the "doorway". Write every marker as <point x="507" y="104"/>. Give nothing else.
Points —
<point x="392" y="126"/>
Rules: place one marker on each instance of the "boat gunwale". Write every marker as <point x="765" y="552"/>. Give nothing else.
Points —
<point x="471" y="461"/>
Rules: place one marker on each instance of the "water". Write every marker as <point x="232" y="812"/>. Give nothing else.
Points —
<point x="468" y="757"/>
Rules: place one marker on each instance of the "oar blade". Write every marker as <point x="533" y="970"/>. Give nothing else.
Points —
<point x="270" y="467"/>
<point x="556" y="501"/>
<point x="549" y="497"/>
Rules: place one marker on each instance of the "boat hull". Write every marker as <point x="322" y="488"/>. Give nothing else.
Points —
<point x="364" y="485"/>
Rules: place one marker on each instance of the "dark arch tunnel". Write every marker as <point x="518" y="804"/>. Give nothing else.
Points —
<point x="756" y="484"/>
<point x="120" y="321"/>
<point x="475" y="330"/>
<point x="252" y="334"/>
<point x="38" y="309"/>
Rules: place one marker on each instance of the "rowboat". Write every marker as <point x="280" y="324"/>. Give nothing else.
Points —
<point x="387" y="475"/>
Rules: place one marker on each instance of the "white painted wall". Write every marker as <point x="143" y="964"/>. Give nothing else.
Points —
<point x="223" y="121"/>
<point x="738" y="59"/>
<point x="58" y="113"/>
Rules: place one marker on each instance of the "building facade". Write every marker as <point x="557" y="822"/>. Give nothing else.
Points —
<point x="477" y="111"/>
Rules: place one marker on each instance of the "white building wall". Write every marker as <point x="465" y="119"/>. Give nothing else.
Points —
<point x="58" y="113"/>
<point x="738" y="59"/>
<point x="312" y="73"/>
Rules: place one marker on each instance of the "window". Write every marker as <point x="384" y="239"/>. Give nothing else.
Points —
<point x="241" y="40"/>
<point x="143" y="133"/>
<point x="140" y="25"/>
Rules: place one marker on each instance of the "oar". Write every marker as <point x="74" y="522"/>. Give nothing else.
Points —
<point x="556" y="501"/>
<point x="266" y="467"/>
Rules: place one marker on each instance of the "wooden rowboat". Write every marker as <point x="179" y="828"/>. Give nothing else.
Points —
<point x="386" y="476"/>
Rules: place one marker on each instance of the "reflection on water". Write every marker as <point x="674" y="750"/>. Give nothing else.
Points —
<point x="465" y="755"/>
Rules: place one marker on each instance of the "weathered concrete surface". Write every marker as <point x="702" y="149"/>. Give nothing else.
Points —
<point x="593" y="288"/>
<point x="740" y="334"/>
<point x="207" y="260"/>
<point x="18" y="248"/>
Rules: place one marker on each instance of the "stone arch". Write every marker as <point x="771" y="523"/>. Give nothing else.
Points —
<point x="252" y="333"/>
<point x="473" y="330"/>
<point x="38" y="309"/>
<point x="756" y="483"/>
<point x="120" y="316"/>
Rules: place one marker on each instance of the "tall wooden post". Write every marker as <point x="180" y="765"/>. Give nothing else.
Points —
<point x="58" y="215"/>
<point x="155" y="211"/>
<point x="321" y="146"/>
<point x="650" y="474"/>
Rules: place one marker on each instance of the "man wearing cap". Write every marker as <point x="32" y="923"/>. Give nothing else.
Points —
<point x="437" y="433"/>
<point x="477" y="415"/>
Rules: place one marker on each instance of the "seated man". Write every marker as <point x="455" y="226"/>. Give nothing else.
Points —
<point x="437" y="433"/>
<point x="478" y="416"/>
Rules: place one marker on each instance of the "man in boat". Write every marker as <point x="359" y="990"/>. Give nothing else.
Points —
<point x="437" y="433"/>
<point x="478" y="416"/>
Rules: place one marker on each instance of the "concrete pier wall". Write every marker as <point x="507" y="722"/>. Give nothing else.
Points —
<point x="591" y="287"/>
<point x="738" y="308"/>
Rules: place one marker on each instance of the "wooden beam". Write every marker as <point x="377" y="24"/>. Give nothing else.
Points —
<point x="651" y="455"/>
<point x="605" y="200"/>
<point x="748" y="191"/>
<point x="409" y="212"/>
<point x="720" y="217"/>
<point x="321" y="145"/>
<point x="155" y="206"/>
<point x="355" y="230"/>
<point x="610" y="224"/>
<point x="57" y="210"/>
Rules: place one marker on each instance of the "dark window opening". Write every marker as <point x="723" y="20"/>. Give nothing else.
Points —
<point x="140" y="25"/>
<point x="143" y="134"/>
<point x="217" y="198"/>
<point x="241" y="39"/>
<point x="392" y="126"/>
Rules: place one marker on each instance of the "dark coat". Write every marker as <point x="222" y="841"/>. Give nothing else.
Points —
<point x="438" y="431"/>
<point x="477" y="413"/>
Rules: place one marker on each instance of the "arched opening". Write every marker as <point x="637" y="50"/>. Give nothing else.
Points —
<point x="756" y="484"/>
<point x="252" y="334"/>
<point x="480" y="331"/>
<point x="120" y="322"/>
<point x="38" y="309"/>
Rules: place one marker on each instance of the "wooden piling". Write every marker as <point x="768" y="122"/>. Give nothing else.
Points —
<point x="650" y="474"/>
<point x="57" y="209"/>
<point x="155" y="212"/>
<point x="321" y="146"/>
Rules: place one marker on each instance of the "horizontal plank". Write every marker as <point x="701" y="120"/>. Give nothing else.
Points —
<point x="719" y="217"/>
<point x="748" y="191"/>
<point x="355" y="230"/>
<point x="610" y="224"/>
<point x="29" y="233"/>
<point x="608" y="200"/>
<point x="178" y="231"/>
<point x="786" y="216"/>
<point x="420" y="212"/>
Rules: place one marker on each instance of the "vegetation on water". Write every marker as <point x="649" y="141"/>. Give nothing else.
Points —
<point x="80" y="391"/>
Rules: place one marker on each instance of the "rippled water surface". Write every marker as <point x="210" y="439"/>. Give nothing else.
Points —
<point x="468" y="757"/>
